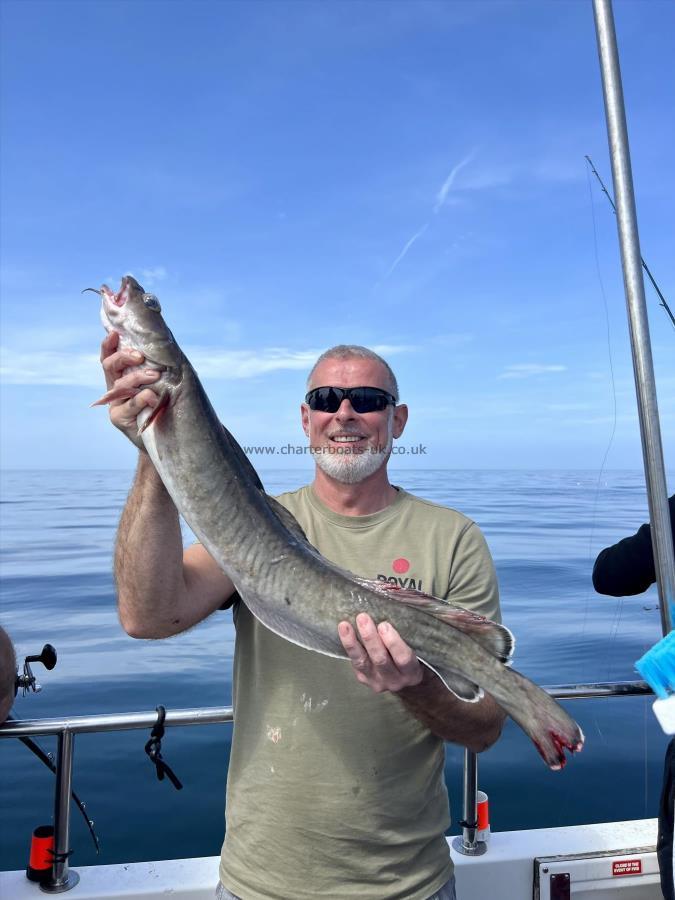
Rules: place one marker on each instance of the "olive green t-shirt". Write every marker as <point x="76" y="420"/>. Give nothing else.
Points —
<point x="335" y="791"/>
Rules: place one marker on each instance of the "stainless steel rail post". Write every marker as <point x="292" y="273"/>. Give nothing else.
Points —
<point x="467" y="843"/>
<point x="62" y="878"/>
<point x="634" y="288"/>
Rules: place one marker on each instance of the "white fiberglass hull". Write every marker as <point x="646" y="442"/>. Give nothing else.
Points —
<point x="605" y="861"/>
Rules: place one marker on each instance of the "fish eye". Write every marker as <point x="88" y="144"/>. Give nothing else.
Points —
<point x="152" y="302"/>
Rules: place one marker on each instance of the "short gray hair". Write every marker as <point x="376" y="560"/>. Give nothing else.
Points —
<point x="348" y="351"/>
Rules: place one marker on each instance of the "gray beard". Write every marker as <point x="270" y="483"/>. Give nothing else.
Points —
<point x="352" y="468"/>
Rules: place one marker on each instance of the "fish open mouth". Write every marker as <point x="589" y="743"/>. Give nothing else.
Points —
<point x="119" y="298"/>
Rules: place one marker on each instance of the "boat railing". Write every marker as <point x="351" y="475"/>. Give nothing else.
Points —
<point x="63" y="878"/>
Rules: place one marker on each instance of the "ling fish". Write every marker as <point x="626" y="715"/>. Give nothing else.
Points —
<point x="284" y="581"/>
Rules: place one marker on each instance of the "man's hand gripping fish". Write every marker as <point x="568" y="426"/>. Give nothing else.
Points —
<point x="283" y="580"/>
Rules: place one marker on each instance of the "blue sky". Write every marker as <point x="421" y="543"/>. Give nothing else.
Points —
<point x="287" y="176"/>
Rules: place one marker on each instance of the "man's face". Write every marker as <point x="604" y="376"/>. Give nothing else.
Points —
<point x="347" y="445"/>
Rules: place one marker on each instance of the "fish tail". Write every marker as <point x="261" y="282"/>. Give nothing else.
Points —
<point x="545" y="722"/>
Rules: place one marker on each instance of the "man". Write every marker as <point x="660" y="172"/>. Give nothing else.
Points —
<point x="335" y="785"/>
<point x="7" y="675"/>
<point x="626" y="569"/>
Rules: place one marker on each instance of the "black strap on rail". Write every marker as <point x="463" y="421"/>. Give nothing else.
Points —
<point x="466" y="824"/>
<point x="154" y="750"/>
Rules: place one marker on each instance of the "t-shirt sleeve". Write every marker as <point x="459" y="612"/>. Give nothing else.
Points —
<point x="473" y="580"/>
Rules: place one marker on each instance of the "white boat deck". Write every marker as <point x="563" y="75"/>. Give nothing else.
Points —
<point x="605" y="866"/>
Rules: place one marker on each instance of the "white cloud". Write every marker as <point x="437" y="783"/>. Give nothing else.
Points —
<point x="56" y="367"/>
<point x="234" y="364"/>
<point x="50" y="367"/>
<point x="150" y="277"/>
<point x="528" y="370"/>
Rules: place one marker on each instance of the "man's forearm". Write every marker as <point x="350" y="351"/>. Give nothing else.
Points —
<point x="149" y="557"/>
<point x="474" y="725"/>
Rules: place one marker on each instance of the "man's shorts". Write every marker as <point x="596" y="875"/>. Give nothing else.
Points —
<point x="447" y="892"/>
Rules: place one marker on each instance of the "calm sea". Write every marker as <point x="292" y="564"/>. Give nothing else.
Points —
<point x="544" y="529"/>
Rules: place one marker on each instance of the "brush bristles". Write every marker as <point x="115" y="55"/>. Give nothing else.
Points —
<point x="657" y="667"/>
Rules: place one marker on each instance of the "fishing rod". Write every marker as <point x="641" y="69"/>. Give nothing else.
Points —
<point x="47" y="759"/>
<point x="644" y="264"/>
<point x="26" y="683"/>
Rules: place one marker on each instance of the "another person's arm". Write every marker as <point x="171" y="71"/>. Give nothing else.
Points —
<point x="627" y="568"/>
<point x="161" y="589"/>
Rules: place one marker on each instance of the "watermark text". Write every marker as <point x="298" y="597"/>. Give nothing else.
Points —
<point x="340" y="450"/>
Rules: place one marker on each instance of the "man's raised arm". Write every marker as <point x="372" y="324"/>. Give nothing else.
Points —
<point x="161" y="589"/>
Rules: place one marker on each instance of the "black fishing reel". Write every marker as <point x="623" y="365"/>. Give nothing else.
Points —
<point x="27" y="682"/>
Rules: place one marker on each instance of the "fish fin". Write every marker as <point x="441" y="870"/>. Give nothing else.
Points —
<point x="164" y="400"/>
<point x="461" y="687"/>
<point x="288" y="519"/>
<point x="495" y="638"/>
<point x="292" y="630"/>
<point x="115" y="394"/>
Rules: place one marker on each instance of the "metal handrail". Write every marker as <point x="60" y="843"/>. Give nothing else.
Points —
<point x="63" y="879"/>
<point x="128" y="721"/>
<point x="598" y="689"/>
<point x="215" y="715"/>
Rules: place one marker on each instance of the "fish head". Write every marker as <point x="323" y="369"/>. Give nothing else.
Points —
<point x="136" y="316"/>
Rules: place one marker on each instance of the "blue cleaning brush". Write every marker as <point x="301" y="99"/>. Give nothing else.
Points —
<point x="657" y="667"/>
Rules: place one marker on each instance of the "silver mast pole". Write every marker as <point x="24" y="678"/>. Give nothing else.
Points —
<point x="634" y="288"/>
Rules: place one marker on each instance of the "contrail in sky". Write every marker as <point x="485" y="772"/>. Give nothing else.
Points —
<point x="406" y="248"/>
<point x="440" y="200"/>
<point x="447" y="184"/>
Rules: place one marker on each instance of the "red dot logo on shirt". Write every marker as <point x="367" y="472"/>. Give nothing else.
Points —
<point x="400" y="565"/>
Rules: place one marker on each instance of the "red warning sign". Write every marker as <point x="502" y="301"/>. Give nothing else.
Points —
<point x="627" y="867"/>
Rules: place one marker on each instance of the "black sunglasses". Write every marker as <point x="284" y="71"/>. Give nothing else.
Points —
<point x="362" y="399"/>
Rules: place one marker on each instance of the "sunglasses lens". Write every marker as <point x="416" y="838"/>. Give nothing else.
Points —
<point x="367" y="399"/>
<point x="362" y="399"/>
<point x="324" y="399"/>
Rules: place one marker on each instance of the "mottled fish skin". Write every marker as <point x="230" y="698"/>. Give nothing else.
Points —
<point x="283" y="580"/>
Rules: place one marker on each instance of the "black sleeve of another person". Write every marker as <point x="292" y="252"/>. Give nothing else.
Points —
<point x="628" y="567"/>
